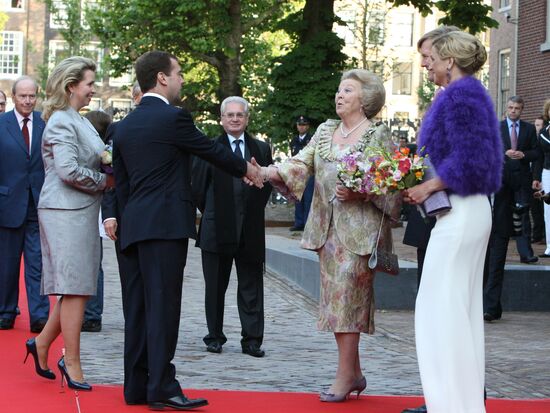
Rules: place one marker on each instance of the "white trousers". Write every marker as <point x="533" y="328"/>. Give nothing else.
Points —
<point x="546" y="188"/>
<point x="450" y="340"/>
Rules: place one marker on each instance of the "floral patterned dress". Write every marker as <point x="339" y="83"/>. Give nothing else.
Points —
<point x="343" y="233"/>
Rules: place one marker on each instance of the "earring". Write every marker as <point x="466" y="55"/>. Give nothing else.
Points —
<point x="448" y="75"/>
<point x="71" y="96"/>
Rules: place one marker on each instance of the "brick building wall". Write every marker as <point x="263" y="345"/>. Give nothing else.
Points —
<point x="502" y="39"/>
<point x="533" y="79"/>
<point x="31" y="23"/>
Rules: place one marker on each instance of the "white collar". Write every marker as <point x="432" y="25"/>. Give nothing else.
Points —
<point x="233" y="139"/>
<point x="156" y="95"/>
<point x="20" y="117"/>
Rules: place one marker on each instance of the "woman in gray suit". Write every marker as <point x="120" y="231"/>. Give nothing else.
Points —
<point x="67" y="212"/>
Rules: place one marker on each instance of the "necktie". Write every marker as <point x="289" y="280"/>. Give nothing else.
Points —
<point x="237" y="150"/>
<point x="25" y="131"/>
<point x="514" y="137"/>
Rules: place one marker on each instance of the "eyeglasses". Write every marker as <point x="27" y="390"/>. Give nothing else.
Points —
<point x="238" y="115"/>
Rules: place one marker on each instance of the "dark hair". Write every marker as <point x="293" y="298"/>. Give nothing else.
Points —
<point x="149" y="64"/>
<point x="100" y="121"/>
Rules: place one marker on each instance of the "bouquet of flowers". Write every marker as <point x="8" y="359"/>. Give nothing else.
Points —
<point x="380" y="171"/>
<point x="107" y="160"/>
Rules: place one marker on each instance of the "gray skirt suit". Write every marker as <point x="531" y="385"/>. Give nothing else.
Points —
<point x="69" y="205"/>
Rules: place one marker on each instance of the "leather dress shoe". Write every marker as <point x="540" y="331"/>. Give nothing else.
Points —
<point x="214" y="347"/>
<point x="91" y="326"/>
<point x="178" y="403"/>
<point x="545" y="255"/>
<point x="296" y="229"/>
<point x="254" y="350"/>
<point x="38" y="325"/>
<point x="6" y="323"/>
<point x="529" y="260"/>
<point x="421" y="409"/>
<point x="490" y="318"/>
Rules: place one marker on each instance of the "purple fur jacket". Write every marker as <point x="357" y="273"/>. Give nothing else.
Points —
<point x="460" y="133"/>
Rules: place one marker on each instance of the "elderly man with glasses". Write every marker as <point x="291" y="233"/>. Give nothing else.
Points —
<point x="232" y="229"/>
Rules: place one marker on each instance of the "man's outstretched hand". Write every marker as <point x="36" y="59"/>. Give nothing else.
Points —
<point x="254" y="174"/>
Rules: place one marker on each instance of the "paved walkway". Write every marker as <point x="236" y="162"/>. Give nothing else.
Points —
<point x="301" y="359"/>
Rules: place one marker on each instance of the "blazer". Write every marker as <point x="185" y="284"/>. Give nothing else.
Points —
<point x="225" y="226"/>
<point x="543" y="161"/>
<point x="109" y="207"/>
<point x="19" y="172"/>
<point x="517" y="172"/>
<point x="152" y="148"/>
<point x="71" y="150"/>
<point x="296" y="145"/>
<point x="516" y="176"/>
<point x="355" y="222"/>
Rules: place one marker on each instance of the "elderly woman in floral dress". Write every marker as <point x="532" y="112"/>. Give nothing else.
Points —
<point x="343" y="225"/>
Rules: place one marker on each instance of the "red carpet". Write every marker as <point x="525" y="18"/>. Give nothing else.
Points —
<point x="22" y="391"/>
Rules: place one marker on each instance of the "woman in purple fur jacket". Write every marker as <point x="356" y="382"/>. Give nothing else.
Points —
<point x="460" y="133"/>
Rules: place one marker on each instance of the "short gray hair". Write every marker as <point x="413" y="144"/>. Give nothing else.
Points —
<point x="19" y="79"/>
<point x="234" y="99"/>
<point x="516" y="99"/>
<point x="373" y="94"/>
<point x="136" y="90"/>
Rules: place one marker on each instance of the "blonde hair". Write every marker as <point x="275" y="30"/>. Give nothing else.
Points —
<point x="432" y="34"/>
<point x="468" y="52"/>
<point x="373" y="94"/>
<point x="545" y="109"/>
<point x="68" y="72"/>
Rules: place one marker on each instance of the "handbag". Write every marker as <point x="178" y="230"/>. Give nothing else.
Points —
<point x="382" y="260"/>
<point x="438" y="202"/>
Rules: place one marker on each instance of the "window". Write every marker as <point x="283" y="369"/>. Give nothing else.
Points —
<point x="11" y="55"/>
<point x="402" y="29"/>
<point x="95" y="104"/>
<point x="120" y="107"/>
<point x="12" y="5"/>
<point x="375" y="29"/>
<point x="59" y="17"/>
<point x="504" y="5"/>
<point x="402" y="78"/>
<point x="503" y="81"/>
<point x="59" y="50"/>
<point x="347" y="32"/>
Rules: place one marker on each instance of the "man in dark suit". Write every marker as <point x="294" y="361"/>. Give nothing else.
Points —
<point x="152" y="149"/>
<point x="301" y="208"/>
<point x="232" y="228"/>
<point x="519" y="139"/>
<point x="21" y="179"/>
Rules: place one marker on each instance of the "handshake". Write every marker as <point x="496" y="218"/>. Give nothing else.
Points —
<point x="258" y="175"/>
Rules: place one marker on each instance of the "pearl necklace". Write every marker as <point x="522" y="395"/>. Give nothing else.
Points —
<point x="344" y="134"/>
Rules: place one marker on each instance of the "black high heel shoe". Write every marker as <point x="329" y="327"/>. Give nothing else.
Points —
<point x="75" y="385"/>
<point x="31" y="349"/>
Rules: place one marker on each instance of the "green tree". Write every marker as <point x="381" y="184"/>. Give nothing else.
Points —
<point x="305" y="79"/>
<point x="216" y="40"/>
<point x="471" y="15"/>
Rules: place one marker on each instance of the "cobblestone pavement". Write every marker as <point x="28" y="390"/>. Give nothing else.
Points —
<point x="299" y="358"/>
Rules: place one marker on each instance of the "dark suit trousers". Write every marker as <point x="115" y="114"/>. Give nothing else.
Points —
<point x="250" y="296"/>
<point x="498" y="247"/>
<point x="152" y="278"/>
<point x="301" y="208"/>
<point x="14" y="242"/>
